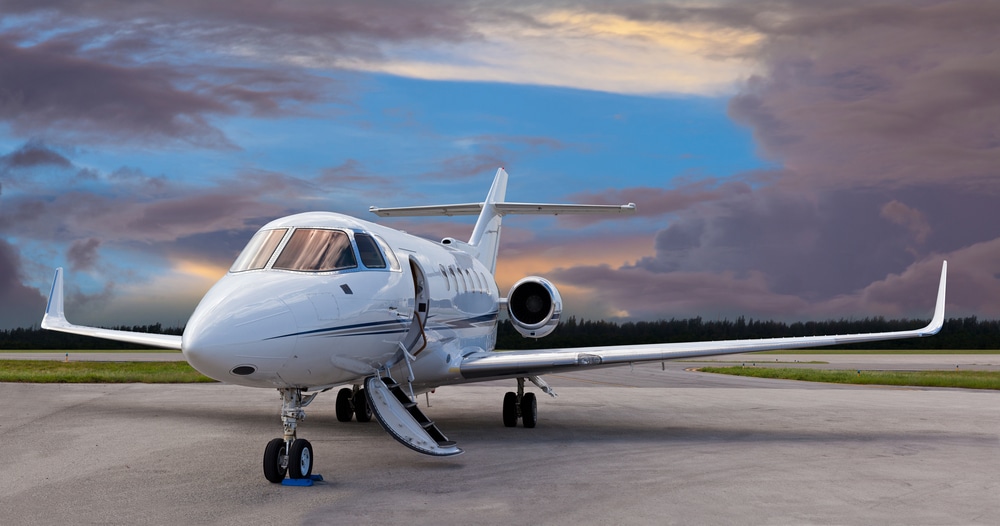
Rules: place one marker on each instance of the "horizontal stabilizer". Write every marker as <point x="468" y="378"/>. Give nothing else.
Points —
<point x="471" y="209"/>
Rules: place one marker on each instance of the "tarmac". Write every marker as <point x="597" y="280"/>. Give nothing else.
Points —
<point x="650" y="444"/>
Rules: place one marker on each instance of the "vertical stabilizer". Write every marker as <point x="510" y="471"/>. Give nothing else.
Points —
<point x="486" y="236"/>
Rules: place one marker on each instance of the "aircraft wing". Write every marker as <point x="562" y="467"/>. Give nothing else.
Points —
<point x="491" y="365"/>
<point x="55" y="320"/>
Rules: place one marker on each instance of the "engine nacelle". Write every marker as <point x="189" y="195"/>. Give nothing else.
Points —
<point x="534" y="306"/>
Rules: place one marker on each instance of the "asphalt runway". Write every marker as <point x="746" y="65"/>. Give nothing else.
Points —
<point x="638" y="445"/>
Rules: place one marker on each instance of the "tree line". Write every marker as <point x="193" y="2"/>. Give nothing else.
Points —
<point x="958" y="333"/>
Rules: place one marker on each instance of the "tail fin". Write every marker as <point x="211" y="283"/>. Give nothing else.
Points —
<point x="485" y="240"/>
<point x="486" y="236"/>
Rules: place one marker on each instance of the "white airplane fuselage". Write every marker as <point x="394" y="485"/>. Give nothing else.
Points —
<point x="287" y="328"/>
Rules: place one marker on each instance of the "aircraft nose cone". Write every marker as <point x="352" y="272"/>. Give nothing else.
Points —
<point x="225" y="339"/>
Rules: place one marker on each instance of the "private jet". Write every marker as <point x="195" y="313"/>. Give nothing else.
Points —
<point x="322" y="300"/>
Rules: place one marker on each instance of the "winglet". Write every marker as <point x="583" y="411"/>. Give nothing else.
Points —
<point x="54" y="311"/>
<point x="55" y="320"/>
<point x="938" y="320"/>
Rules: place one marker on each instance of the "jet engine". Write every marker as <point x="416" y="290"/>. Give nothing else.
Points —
<point x="534" y="306"/>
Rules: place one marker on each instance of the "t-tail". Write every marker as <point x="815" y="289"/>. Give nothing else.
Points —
<point x="485" y="241"/>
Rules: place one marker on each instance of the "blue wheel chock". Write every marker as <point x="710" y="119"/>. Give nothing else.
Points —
<point x="302" y="482"/>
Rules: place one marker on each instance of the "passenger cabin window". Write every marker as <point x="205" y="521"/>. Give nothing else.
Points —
<point x="447" y="282"/>
<point x="370" y="255"/>
<point x="259" y="250"/>
<point x="317" y="250"/>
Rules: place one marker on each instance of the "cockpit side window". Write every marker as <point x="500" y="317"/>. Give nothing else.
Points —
<point x="259" y="250"/>
<point x="370" y="255"/>
<point x="389" y="254"/>
<point x="317" y="250"/>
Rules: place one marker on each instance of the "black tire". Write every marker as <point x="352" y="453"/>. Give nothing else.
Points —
<point x="361" y="410"/>
<point x="300" y="459"/>
<point x="529" y="410"/>
<point x="510" y="409"/>
<point x="273" y="471"/>
<point x="345" y="406"/>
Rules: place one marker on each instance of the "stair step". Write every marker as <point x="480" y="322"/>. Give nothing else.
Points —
<point x="404" y="421"/>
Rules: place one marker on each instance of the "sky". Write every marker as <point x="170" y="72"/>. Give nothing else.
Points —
<point x="790" y="160"/>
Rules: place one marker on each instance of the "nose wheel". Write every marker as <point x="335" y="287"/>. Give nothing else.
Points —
<point x="289" y="455"/>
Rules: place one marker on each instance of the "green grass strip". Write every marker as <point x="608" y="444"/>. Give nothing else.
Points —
<point x="884" y="351"/>
<point x="50" y="371"/>
<point x="962" y="379"/>
<point x="71" y="352"/>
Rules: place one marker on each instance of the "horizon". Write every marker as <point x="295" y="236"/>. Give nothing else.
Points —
<point x="788" y="161"/>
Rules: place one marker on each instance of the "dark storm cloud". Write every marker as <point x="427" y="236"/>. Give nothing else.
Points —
<point x="148" y="71"/>
<point x="884" y="117"/>
<point x="395" y="20"/>
<point x="127" y="213"/>
<point x="32" y="154"/>
<point x="20" y="306"/>
<point x="46" y="88"/>
<point x="887" y="94"/>
<point x="82" y="254"/>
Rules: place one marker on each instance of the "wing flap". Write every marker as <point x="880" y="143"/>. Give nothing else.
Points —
<point x="485" y="365"/>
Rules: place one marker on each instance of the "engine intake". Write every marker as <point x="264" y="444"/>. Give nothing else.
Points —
<point x="534" y="306"/>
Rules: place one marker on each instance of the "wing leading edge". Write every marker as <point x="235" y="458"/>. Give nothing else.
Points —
<point x="55" y="320"/>
<point x="485" y="365"/>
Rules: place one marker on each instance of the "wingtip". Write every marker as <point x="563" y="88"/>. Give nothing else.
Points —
<point x="937" y="322"/>
<point x="54" y="313"/>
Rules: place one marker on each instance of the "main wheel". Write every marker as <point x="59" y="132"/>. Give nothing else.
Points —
<point x="274" y="471"/>
<point x="345" y="408"/>
<point x="300" y="459"/>
<point x="529" y="410"/>
<point x="510" y="409"/>
<point x="361" y="410"/>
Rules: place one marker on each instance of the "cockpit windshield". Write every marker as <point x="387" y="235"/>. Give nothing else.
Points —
<point x="259" y="250"/>
<point x="317" y="250"/>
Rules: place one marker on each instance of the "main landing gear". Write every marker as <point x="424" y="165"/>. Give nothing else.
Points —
<point x="520" y="405"/>
<point x="290" y="455"/>
<point x="353" y="403"/>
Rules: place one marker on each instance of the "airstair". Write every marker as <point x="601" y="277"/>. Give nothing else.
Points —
<point x="404" y="421"/>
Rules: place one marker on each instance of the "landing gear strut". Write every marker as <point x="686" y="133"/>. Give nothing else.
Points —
<point x="290" y="455"/>
<point x="520" y="405"/>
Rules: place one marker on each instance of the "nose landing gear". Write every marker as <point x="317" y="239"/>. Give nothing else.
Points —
<point x="290" y="455"/>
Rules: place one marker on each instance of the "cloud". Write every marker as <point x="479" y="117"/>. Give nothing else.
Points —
<point x="910" y="218"/>
<point x="527" y="43"/>
<point x="72" y="88"/>
<point x="48" y="87"/>
<point x="34" y="153"/>
<point x="82" y="254"/>
<point x="883" y="119"/>
<point x="888" y="94"/>
<point x="20" y="306"/>
<point x="545" y="46"/>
